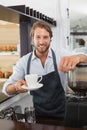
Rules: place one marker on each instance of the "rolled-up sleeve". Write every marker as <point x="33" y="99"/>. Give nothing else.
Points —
<point x="19" y="72"/>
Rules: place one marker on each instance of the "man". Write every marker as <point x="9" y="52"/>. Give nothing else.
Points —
<point x="81" y="42"/>
<point x="49" y="100"/>
<point x="81" y="47"/>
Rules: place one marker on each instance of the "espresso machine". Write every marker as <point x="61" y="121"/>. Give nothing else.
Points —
<point x="76" y="104"/>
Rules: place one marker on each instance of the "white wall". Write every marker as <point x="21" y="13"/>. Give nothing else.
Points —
<point x="56" y="9"/>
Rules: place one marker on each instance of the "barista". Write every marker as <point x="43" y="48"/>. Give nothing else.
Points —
<point x="49" y="100"/>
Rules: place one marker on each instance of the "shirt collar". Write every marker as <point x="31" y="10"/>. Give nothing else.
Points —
<point x="49" y="54"/>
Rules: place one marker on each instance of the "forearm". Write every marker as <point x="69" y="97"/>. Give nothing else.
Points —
<point x="16" y="87"/>
<point x="11" y="89"/>
<point x="68" y="63"/>
<point x="82" y="58"/>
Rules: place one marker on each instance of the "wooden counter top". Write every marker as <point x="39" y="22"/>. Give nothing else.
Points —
<point x="13" y="125"/>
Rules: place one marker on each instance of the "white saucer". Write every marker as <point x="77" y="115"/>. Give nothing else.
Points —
<point x="37" y="86"/>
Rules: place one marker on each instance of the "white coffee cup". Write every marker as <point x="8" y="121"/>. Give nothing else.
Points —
<point x="32" y="79"/>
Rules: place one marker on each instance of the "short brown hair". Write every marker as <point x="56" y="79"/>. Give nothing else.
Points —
<point x="41" y="24"/>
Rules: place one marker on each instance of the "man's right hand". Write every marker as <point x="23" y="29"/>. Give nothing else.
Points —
<point x="16" y="87"/>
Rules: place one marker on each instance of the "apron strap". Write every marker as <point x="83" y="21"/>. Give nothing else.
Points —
<point x="28" y="63"/>
<point x="54" y="60"/>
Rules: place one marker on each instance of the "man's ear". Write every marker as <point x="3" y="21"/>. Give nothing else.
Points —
<point x="50" y="40"/>
<point x="32" y="40"/>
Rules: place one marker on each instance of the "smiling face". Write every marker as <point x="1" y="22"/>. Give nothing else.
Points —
<point x="41" y="40"/>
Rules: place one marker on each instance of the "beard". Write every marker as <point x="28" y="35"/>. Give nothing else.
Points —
<point x="42" y="51"/>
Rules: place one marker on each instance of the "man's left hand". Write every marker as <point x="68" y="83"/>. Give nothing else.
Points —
<point x="68" y="63"/>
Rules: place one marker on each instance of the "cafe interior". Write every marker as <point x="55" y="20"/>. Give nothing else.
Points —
<point x="68" y="21"/>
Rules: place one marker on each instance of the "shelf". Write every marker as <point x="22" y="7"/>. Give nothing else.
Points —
<point x="30" y="12"/>
<point x="11" y="15"/>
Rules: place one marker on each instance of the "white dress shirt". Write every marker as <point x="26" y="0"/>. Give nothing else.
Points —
<point x="20" y="69"/>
